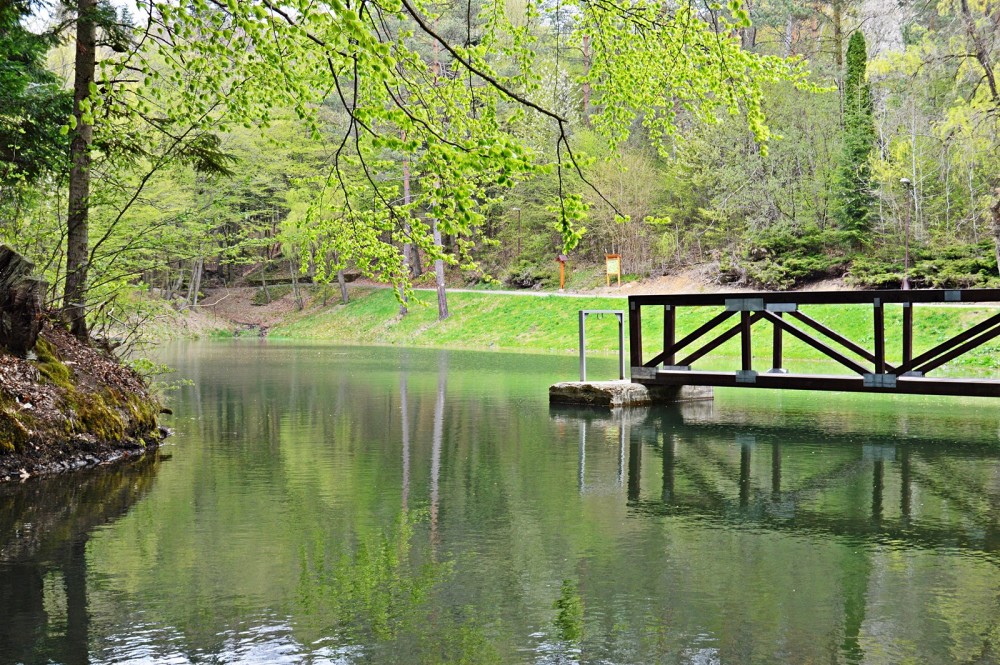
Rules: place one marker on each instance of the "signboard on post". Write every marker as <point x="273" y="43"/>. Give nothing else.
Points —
<point x="614" y="264"/>
<point x="562" y="259"/>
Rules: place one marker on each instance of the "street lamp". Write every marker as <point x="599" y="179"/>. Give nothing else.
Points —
<point x="908" y="187"/>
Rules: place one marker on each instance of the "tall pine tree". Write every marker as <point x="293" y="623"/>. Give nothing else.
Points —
<point x="854" y="195"/>
<point x="32" y="105"/>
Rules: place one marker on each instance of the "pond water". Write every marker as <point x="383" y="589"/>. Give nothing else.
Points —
<point x="323" y="504"/>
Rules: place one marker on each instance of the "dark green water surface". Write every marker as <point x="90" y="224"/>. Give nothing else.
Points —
<point x="323" y="504"/>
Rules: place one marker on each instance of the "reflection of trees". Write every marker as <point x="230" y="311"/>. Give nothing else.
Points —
<point x="908" y="513"/>
<point x="436" y="442"/>
<point x="673" y="529"/>
<point x="370" y="593"/>
<point x="44" y="529"/>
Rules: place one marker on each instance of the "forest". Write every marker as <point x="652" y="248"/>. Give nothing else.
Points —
<point x="150" y="149"/>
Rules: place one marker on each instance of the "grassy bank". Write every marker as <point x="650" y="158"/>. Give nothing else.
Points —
<point x="528" y="323"/>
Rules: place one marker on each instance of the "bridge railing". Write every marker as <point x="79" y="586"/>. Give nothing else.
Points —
<point x="867" y="367"/>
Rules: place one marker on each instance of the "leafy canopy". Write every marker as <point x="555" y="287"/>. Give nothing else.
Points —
<point x="452" y="107"/>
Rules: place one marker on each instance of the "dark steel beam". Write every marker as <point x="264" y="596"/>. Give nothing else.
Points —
<point x="906" y="385"/>
<point x="815" y="343"/>
<point x="837" y="337"/>
<point x="959" y="350"/>
<point x="949" y="344"/>
<point x="907" y="333"/>
<point x="634" y="334"/>
<point x="669" y="332"/>
<point x="746" y="349"/>
<point x="878" y="321"/>
<point x="720" y="340"/>
<point x="776" y="346"/>
<point x="698" y="332"/>
<point x="886" y="297"/>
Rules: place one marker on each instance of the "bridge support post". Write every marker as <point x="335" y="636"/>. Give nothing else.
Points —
<point x="907" y="332"/>
<point x="669" y="332"/>
<point x="879" y="323"/>
<point x="745" y="346"/>
<point x="635" y="334"/>
<point x="776" y="349"/>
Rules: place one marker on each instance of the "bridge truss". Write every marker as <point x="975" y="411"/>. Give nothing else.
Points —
<point x="865" y="365"/>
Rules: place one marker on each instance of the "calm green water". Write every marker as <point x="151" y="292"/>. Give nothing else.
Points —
<point x="340" y="505"/>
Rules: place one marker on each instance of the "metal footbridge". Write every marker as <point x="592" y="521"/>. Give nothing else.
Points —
<point x="863" y="362"/>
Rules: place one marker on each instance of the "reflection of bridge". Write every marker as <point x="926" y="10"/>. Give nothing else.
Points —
<point x="862" y="488"/>
<point x="869" y="367"/>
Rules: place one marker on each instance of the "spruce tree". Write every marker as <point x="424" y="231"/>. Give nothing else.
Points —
<point x="854" y="197"/>
<point x="32" y="105"/>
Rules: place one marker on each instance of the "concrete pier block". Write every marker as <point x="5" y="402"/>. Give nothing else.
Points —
<point x="623" y="393"/>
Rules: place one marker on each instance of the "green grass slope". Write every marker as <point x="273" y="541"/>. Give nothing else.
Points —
<point x="493" y="321"/>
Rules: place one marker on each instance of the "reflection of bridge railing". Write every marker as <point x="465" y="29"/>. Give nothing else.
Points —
<point x="699" y="478"/>
<point x="871" y="370"/>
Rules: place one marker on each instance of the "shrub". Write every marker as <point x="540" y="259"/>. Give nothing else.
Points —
<point x="527" y="275"/>
<point x="783" y="257"/>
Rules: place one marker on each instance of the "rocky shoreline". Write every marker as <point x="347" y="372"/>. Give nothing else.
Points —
<point x="67" y="406"/>
<point x="15" y="468"/>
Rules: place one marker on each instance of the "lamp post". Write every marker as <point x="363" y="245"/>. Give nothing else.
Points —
<point x="908" y="188"/>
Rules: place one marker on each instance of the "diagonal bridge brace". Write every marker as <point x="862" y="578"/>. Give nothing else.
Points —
<point x="950" y="349"/>
<point x="825" y="349"/>
<point x="696" y="334"/>
<point x="846" y="342"/>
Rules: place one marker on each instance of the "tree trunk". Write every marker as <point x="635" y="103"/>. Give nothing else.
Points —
<point x="77" y="242"/>
<point x="295" y="285"/>
<point x="195" y="282"/>
<point x="789" y="35"/>
<point x="980" y="49"/>
<point x="439" y="274"/>
<point x="586" y="82"/>
<point x="21" y="298"/>
<point x="748" y="35"/>
<point x="343" y="285"/>
<point x="995" y="213"/>
<point x="838" y="35"/>
<point x="407" y="230"/>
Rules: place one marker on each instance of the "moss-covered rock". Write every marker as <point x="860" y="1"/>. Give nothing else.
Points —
<point x="13" y="434"/>
<point x="70" y="400"/>
<point x="50" y="366"/>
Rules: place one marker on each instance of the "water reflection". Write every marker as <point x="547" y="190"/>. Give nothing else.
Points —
<point x="918" y="494"/>
<point x="714" y="472"/>
<point x="44" y="529"/>
<point x="392" y="506"/>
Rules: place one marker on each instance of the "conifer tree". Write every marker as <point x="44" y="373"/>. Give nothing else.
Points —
<point x="854" y="196"/>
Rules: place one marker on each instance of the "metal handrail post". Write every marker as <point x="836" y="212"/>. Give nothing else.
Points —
<point x="621" y="345"/>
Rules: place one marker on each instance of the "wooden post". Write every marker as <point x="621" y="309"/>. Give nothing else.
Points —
<point x="776" y="350"/>
<point x="879" y="323"/>
<point x="635" y="334"/>
<point x="669" y="332"/>
<point x="907" y="332"/>
<point x="746" y="351"/>
<point x="562" y="275"/>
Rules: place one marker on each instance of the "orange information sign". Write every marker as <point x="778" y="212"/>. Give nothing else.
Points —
<point x="614" y="264"/>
